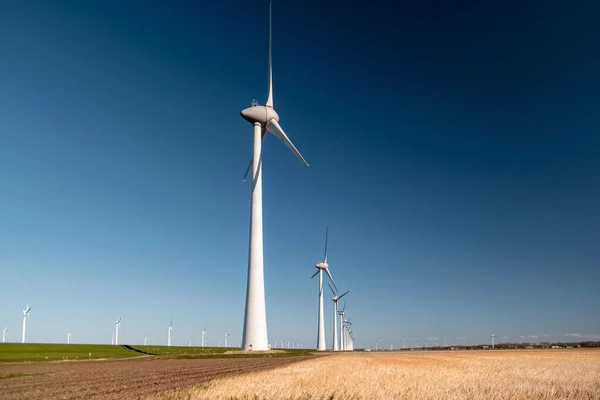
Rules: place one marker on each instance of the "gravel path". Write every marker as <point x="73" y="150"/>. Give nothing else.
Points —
<point x="121" y="379"/>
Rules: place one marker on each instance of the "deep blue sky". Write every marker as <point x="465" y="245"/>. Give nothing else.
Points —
<point x="454" y="152"/>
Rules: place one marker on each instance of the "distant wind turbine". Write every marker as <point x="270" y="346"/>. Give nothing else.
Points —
<point x="322" y="266"/>
<point x="4" y="334"/>
<point x="145" y="341"/>
<point x="118" y="324"/>
<point x="226" y="334"/>
<point x="493" y="337"/>
<point x="25" y="318"/>
<point x="335" y="298"/>
<point x="69" y="338"/>
<point x="112" y="341"/>
<point x="204" y="336"/>
<point x="264" y="119"/>
<point x="342" y="344"/>
<point x="170" y="333"/>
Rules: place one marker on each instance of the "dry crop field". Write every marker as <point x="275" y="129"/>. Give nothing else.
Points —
<point x="508" y="375"/>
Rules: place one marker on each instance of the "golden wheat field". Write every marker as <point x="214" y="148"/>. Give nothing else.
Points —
<point x="508" y="375"/>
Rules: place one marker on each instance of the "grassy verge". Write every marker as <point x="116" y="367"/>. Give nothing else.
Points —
<point x="52" y="352"/>
<point x="15" y="352"/>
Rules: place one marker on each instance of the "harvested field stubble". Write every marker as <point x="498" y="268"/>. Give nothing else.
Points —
<point x="507" y="375"/>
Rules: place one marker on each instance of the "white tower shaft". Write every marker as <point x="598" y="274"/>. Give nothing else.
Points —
<point x="336" y="347"/>
<point x="117" y="335"/>
<point x="321" y="346"/>
<point x="255" y="319"/>
<point x="342" y="344"/>
<point x="24" y="327"/>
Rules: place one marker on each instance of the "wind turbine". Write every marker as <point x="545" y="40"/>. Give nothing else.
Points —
<point x="342" y="344"/>
<point x="145" y="341"/>
<point x="226" y="334"/>
<point x="335" y="299"/>
<point x="69" y="338"/>
<point x="203" y="336"/>
<point x="264" y="119"/>
<point x="25" y="318"/>
<point x="322" y="266"/>
<point x="118" y="323"/>
<point x="112" y="341"/>
<point x="4" y="334"/>
<point x="493" y="337"/>
<point x="170" y="333"/>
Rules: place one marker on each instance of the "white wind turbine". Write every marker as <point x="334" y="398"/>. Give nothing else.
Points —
<point x="25" y="318"/>
<point x="204" y="336"/>
<point x="226" y="334"/>
<point x="4" y="334"/>
<point x="170" y="333"/>
<point x="69" y="338"/>
<point x="118" y="323"/>
<point x="335" y="299"/>
<point x="342" y="320"/>
<point x="112" y="341"/>
<point x="264" y="119"/>
<point x="493" y="337"/>
<point x="322" y="266"/>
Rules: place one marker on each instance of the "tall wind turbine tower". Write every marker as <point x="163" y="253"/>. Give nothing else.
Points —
<point x="69" y="338"/>
<point x="204" y="336"/>
<point x="25" y="318"/>
<point x="4" y="334"/>
<point x="493" y="337"/>
<point x="264" y="119"/>
<point x="226" y="334"/>
<point x="342" y="320"/>
<point x="335" y="298"/>
<point x="322" y="266"/>
<point x="118" y="323"/>
<point x="170" y="333"/>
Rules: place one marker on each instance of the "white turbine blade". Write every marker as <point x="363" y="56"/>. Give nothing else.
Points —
<point x="248" y="169"/>
<point x="343" y="294"/>
<point x="332" y="291"/>
<point x="270" y="99"/>
<point x="273" y="127"/>
<point x="331" y="277"/>
<point x="315" y="274"/>
<point x="344" y="309"/>
<point x="326" y="240"/>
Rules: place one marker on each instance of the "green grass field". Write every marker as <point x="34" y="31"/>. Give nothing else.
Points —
<point x="15" y="352"/>
<point x="52" y="352"/>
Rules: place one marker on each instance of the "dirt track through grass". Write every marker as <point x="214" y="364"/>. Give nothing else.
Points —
<point x="499" y="375"/>
<point x="121" y="379"/>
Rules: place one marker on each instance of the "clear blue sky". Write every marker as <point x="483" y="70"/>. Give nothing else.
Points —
<point x="454" y="153"/>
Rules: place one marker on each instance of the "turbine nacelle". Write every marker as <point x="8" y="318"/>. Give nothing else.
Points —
<point x="322" y="265"/>
<point x="259" y="114"/>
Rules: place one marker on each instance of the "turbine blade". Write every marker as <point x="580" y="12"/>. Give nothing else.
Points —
<point x="344" y="309"/>
<point x="248" y="169"/>
<point x="333" y="291"/>
<point x="331" y="277"/>
<point x="270" y="98"/>
<point x="343" y="295"/>
<point x="315" y="274"/>
<point x="273" y="127"/>
<point x="263" y="134"/>
<point x="326" y="240"/>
